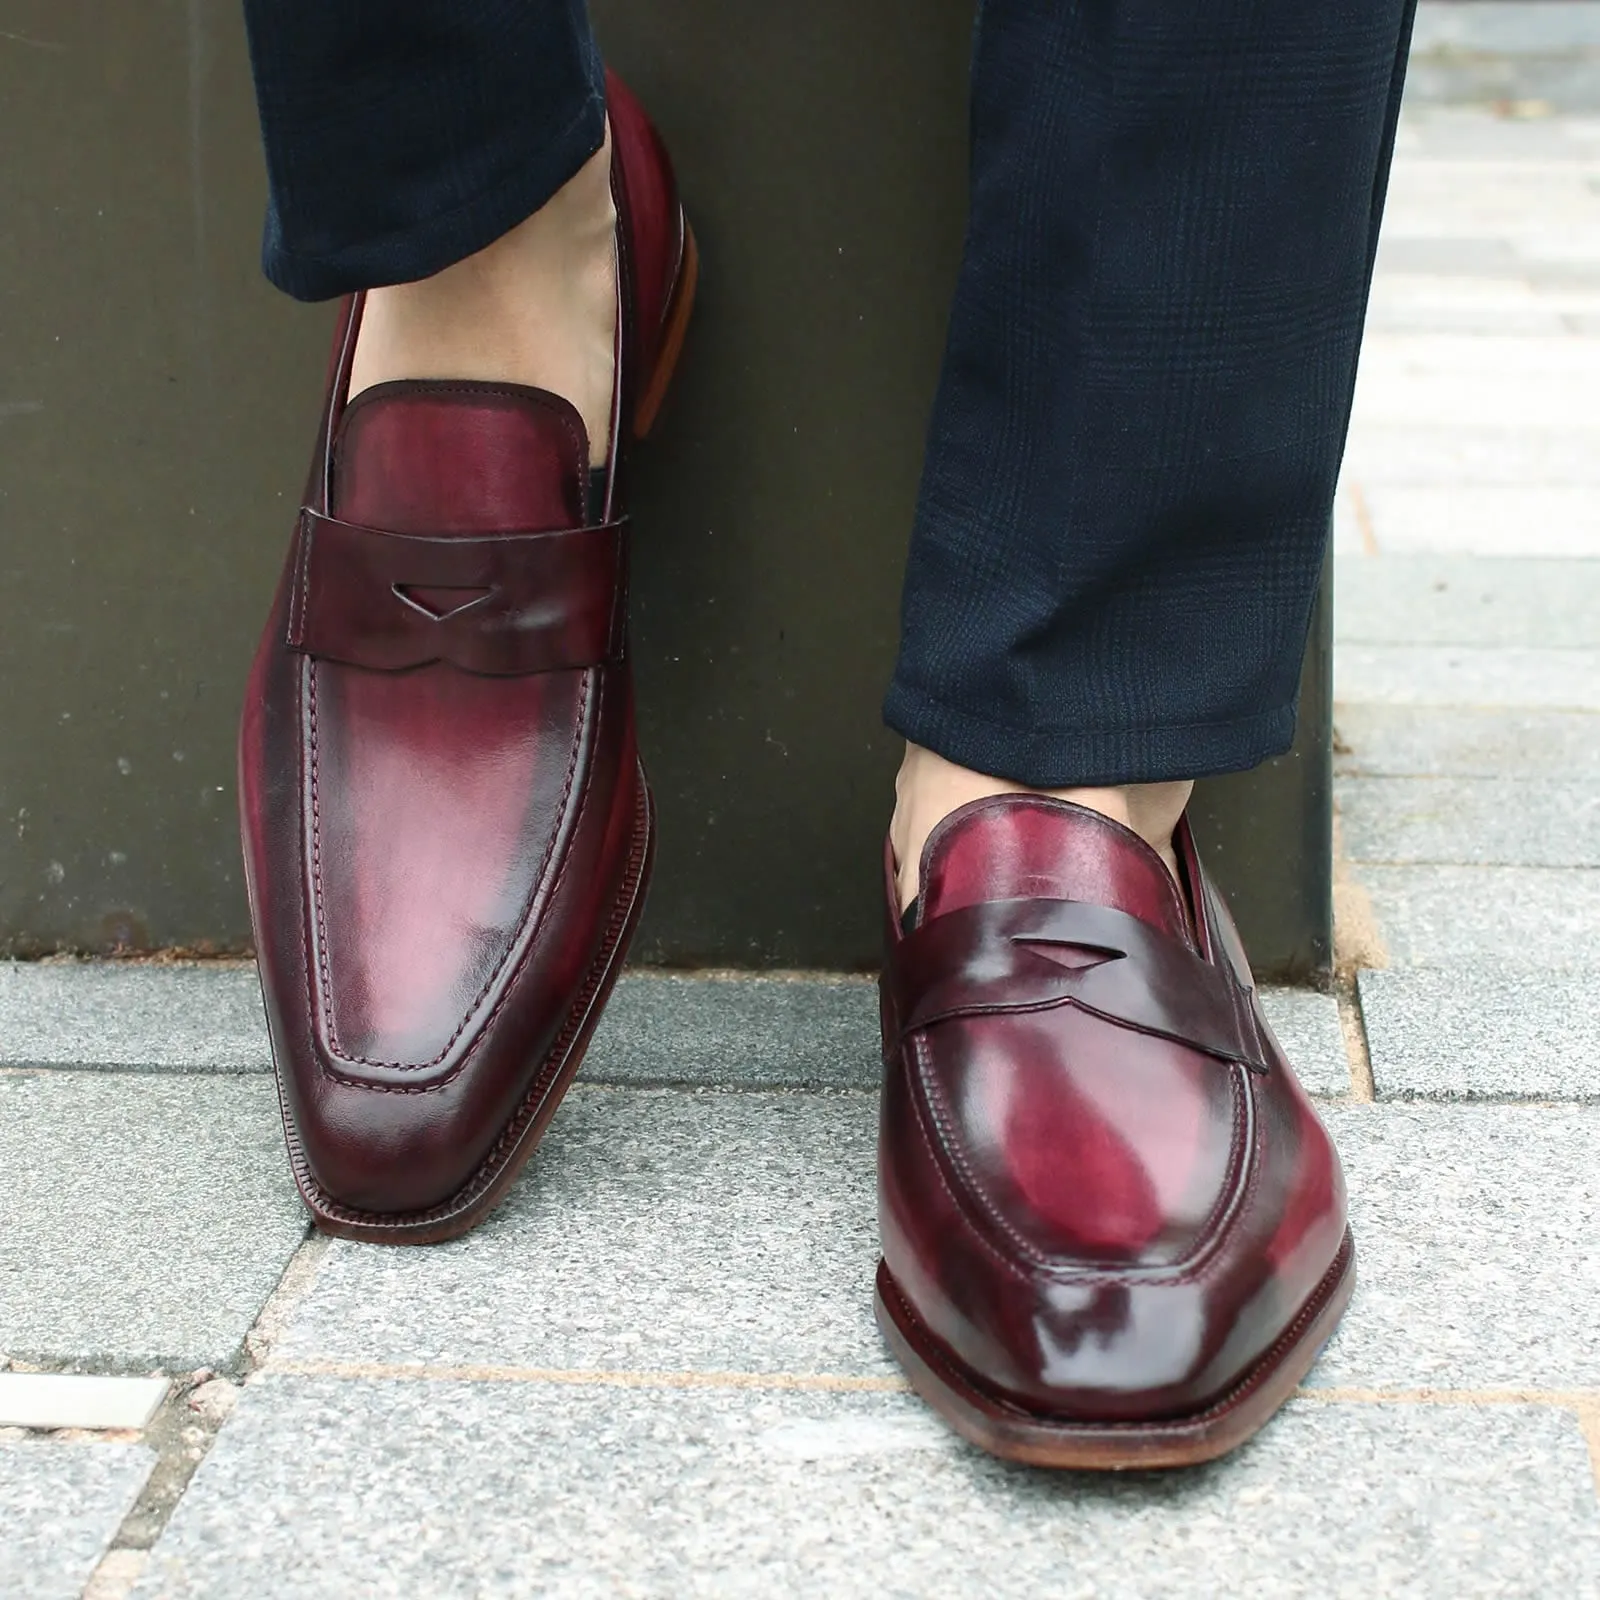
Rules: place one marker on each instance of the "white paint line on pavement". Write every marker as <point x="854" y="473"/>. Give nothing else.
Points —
<point x="61" y="1400"/>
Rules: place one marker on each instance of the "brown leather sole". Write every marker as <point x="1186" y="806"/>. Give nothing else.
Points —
<point x="488" y="1185"/>
<point x="1005" y="1429"/>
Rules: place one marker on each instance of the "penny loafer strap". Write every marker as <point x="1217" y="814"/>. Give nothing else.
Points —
<point x="1030" y="955"/>
<point x="503" y="605"/>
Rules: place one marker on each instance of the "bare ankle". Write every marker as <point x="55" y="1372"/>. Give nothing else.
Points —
<point x="535" y="307"/>
<point x="928" y="788"/>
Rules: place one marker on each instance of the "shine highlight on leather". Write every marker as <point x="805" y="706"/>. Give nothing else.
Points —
<point x="447" y="829"/>
<point x="1113" y="1225"/>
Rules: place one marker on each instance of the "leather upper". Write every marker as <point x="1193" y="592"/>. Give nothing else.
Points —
<point x="439" y="781"/>
<point x="1101" y="1187"/>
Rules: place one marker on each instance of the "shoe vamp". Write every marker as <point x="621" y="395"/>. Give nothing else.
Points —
<point x="439" y="798"/>
<point x="1087" y="1142"/>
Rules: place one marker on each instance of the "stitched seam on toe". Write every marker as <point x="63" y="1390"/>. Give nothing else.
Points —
<point x="932" y="1147"/>
<point x="488" y="1170"/>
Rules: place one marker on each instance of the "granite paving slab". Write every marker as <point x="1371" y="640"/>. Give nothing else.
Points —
<point x="1461" y="742"/>
<point x="1468" y="600"/>
<point x="792" y="1031"/>
<point x="1411" y="303"/>
<point x="1516" y="202"/>
<point x="1466" y="675"/>
<point x="654" y="1229"/>
<point x="1451" y="133"/>
<point x="736" y="1234"/>
<point x="1308" y="1027"/>
<point x="802" y="1031"/>
<point x="391" y="1489"/>
<point x="797" y="1031"/>
<point x="1481" y="1034"/>
<point x="1557" y="255"/>
<point x="137" y="1016"/>
<point x="1563" y="81"/>
<point x="147" y="1218"/>
<point x="1512" y="822"/>
<point x="1475" y="1229"/>
<point x="1448" y="380"/>
<point x="1416" y="453"/>
<point x="1519" y="918"/>
<point x="1495" y="255"/>
<point x="1450" y="258"/>
<point x="669" y="1229"/>
<point x="1508" y="27"/>
<point x="809" y="1031"/>
<point x="806" y="1031"/>
<point x="61" y="1504"/>
<point x="1487" y="520"/>
<point x="1538" y="300"/>
<point x="1532" y="303"/>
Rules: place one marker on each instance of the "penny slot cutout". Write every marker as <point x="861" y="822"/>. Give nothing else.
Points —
<point x="438" y="602"/>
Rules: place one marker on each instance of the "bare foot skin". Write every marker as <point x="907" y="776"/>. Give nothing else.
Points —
<point x="537" y="307"/>
<point x="928" y="788"/>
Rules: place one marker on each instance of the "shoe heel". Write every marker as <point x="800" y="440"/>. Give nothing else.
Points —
<point x="672" y="335"/>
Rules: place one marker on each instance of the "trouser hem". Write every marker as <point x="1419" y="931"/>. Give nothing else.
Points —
<point x="430" y="244"/>
<point x="1059" y="758"/>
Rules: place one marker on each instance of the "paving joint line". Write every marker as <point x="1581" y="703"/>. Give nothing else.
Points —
<point x="1363" y="516"/>
<point x="293" y="1286"/>
<point x="1583" y="1400"/>
<point x="1589" y="1422"/>
<point x="1357" y="938"/>
<point x="791" y="1091"/>
<point x="1452" y="862"/>
<point x="1428" y="1395"/>
<point x="184" y="1429"/>
<point x="1584" y="1404"/>
<point x="1357" y="943"/>
<point x="1509" y="1098"/>
<point x="578" y="1377"/>
<point x="1358" y="1049"/>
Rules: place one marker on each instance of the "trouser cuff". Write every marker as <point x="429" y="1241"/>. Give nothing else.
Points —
<point x="432" y="243"/>
<point x="1060" y="758"/>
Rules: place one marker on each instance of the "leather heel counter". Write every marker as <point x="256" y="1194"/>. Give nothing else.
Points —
<point x="650" y="217"/>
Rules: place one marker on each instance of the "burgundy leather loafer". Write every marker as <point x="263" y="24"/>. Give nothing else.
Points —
<point x="1114" y="1229"/>
<point x="447" y="831"/>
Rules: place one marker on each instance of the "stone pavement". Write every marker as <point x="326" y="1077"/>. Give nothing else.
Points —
<point x="654" y="1371"/>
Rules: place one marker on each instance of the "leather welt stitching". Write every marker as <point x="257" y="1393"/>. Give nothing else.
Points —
<point x="335" y="1049"/>
<point x="1264" y="1366"/>
<point x="950" y="1147"/>
<point x="297" y="598"/>
<point x="1248" y="1159"/>
<point x="491" y="1168"/>
<point x="310" y="669"/>
<point x="934" y="1146"/>
<point x="1233" y="1193"/>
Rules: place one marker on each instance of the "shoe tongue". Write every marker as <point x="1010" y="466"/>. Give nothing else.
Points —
<point x="460" y="458"/>
<point x="1015" y="847"/>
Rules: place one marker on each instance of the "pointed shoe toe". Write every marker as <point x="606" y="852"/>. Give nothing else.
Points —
<point x="1113" y="1226"/>
<point x="447" y="830"/>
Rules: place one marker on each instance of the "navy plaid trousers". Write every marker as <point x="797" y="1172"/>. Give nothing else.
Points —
<point x="1132" y="456"/>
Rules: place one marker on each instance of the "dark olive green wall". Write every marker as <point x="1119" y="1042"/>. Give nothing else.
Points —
<point x="156" y="405"/>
